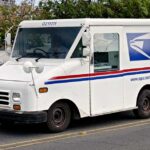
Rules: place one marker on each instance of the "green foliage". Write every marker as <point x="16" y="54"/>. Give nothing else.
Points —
<point x="12" y="16"/>
<point x="59" y="9"/>
<point x="94" y="9"/>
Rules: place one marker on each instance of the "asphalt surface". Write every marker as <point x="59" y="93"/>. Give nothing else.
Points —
<point x="120" y="131"/>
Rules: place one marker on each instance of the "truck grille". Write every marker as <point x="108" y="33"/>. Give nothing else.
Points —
<point x="4" y="98"/>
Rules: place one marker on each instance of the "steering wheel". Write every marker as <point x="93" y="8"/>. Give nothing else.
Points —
<point x="39" y="49"/>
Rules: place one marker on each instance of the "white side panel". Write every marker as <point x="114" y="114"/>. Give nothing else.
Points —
<point x="106" y="93"/>
<point x="134" y="83"/>
<point x="69" y="88"/>
<point x="132" y="89"/>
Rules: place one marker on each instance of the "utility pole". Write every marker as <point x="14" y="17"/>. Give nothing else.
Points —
<point x="32" y="2"/>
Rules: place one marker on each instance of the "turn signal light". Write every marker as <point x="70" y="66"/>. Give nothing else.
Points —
<point x="16" y="107"/>
<point x="43" y="90"/>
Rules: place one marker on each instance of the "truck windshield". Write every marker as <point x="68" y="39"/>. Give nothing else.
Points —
<point x="44" y="42"/>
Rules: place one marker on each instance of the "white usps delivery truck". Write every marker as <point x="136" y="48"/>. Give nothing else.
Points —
<point x="61" y="70"/>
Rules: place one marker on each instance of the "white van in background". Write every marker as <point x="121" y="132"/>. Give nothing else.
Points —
<point x="4" y="57"/>
<point x="75" y="68"/>
<point x="6" y="50"/>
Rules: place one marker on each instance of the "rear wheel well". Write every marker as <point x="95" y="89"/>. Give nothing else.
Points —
<point x="74" y="110"/>
<point x="142" y="89"/>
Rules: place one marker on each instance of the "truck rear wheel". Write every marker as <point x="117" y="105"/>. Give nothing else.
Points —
<point x="59" y="117"/>
<point x="143" y="104"/>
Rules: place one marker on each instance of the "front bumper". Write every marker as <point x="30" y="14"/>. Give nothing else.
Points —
<point x="23" y="117"/>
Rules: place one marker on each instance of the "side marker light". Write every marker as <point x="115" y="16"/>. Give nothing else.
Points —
<point x="43" y="90"/>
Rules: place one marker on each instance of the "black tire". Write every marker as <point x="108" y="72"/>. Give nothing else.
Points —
<point x="59" y="117"/>
<point x="143" y="104"/>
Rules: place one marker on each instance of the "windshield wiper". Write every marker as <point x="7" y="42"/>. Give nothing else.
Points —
<point x="17" y="59"/>
<point x="37" y="59"/>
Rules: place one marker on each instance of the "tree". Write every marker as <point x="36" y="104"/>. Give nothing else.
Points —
<point x="95" y="9"/>
<point x="12" y="16"/>
<point x="59" y="9"/>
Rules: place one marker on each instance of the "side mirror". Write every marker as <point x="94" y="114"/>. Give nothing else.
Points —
<point x="8" y="43"/>
<point x="86" y="51"/>
<point x="86" y="39"/>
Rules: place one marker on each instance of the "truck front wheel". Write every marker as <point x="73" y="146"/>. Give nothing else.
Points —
<point x="143" y="104"/>
<point x="59" y="117"/>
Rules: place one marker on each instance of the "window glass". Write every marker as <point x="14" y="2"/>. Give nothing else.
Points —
<point x="106" y="51"/>
<point x="78" y="52"/>
<point x="45" y="42"/>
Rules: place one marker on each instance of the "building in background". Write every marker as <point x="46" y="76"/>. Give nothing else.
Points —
<point x="7" y="2"/>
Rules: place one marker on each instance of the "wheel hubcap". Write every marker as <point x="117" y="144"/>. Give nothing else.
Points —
<point x="146" y="104"/>
<point x="58" y="116"/>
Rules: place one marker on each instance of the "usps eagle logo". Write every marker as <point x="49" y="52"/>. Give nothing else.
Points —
<point x="139" y="46"/>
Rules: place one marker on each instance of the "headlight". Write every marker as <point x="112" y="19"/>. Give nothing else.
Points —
<point x="16" y="97"/>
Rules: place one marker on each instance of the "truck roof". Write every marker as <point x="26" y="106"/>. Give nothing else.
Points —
<point x="86" y="22"/>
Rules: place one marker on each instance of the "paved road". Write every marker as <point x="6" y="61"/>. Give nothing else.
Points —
<point x="121" y="131"/>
